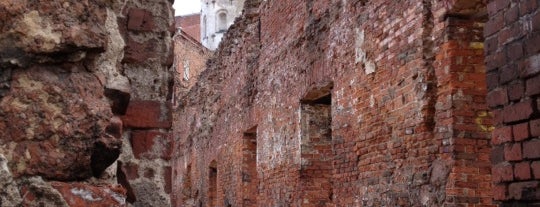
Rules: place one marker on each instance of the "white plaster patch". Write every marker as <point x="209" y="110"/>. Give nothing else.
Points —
<point x="361" y="55"/>
<point x="84" y="194"/>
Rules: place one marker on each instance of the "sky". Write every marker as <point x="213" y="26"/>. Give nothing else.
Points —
<point x="182" y="7"/>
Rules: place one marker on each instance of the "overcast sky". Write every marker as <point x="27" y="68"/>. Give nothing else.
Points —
<point x="182" y="7"/>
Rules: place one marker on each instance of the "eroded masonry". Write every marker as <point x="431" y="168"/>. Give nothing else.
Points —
<point x="305" y="103"/>
<point x="85" y="87"/>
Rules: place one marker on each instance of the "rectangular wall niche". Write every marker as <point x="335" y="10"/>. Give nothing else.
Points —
<point x="250" y="182"/>
<point x="316" y="148"/>
<point x="212" y="184"/>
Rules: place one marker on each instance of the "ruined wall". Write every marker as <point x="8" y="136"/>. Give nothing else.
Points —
<point x="144" y="168"/>
<point x="191" y="24"/>
<point x="69" y="71"/>
<point x="512" y="47"/>
<point x="190" y="60"/>
<point x="405" y="84"/>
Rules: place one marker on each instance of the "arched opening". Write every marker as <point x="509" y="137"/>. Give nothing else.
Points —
<point x="212" y="184"/>
<point x="222" y="21"/>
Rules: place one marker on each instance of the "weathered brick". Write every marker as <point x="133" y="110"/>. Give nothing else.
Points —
<point x="497" y="97"/>
<point x="140" y="20"/>
<point x="532" y="44"/>
<point x="501" y="135"/>
<point x="516" y="91"/>
<point x="531" y="66"/>
<point x="535" y="167"/>
<point x="514" y="52"/>
<point x="524" y="190"/>
<point x="147" y="114"/>
<point x="522" y="171"/>
<point x="151" y="144"/>
<point x="535" y="22"/>
<point x="512" y="152"/>
<point x="497" y="155"/>
<point x="520" y="131"/>
<point x="494" y="24"/>
<point x="511" y="15"/>
<point x="140" y="52"/>
<point x="519" y="111"/>
<point x="531" y="149"/>
<point x="167" y="181"/>
<point x="508" y="73"/>
<point x="527" y="6"/>
<point x="500" y="192"/>
<point x="502" y="172"/>
<point x="492" y="80"/>
<point x="535" y="127"/>
<point x="533" y="86"/>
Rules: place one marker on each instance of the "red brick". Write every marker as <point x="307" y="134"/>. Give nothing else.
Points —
<point x="500" y="192"/>
<point x="502" y="172"/>
<point x="497" y="154"/>
<point x="522" y="171"/>
<point x="514" y="52"/>
<point x="140" y="20"/>
<point x="491" y="45"/>
<point x="143" y="143"/>
<point x="532" y="44"/>
<point x="498" y="117"/>
<point x="519" y="111"/>
<point x="535" y="22"/>
<point x="510" y="33"/>
<point x="535" y="127"/>
<point x="167" y="175"/>
<point x="501" y="135"/>
<point x="498" y="97"/>
<point x="512" y="152"/>
<point x="531" y="66"/>
<point x="535" y="167"/>
<point x="147" y="114"/>
<point x="520" y="131"/>
<point x="516" y="91"/>
<point x="496" y="60"/>
<point x="527" y="6"/>
<point x="511" y="15"/>
<point x="508" y="73"/>
<point x="533" y="86"/>
<point x="140" y="52"/>
<point x="524" y="190"/>
<point x="531" y="149"/>
<point x="131" y="170"/>
<point x="495" y="24"/>
<point x="502" y="4"/>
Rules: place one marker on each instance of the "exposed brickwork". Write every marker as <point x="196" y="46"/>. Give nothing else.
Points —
<point x="409" y="121"/>
<point x="147" y="28"/>
<point x="191" y="25"/>
<point x="512" y="61"/>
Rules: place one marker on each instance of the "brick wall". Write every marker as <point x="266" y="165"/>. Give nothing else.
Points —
<point x="409" y="122"/>
<point x="513" y="78"/>
<point x="143" y="167"/>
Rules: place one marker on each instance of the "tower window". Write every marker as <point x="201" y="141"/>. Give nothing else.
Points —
<point x="222" y="21"/>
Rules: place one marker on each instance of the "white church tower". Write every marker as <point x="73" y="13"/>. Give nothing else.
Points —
<point x="216" y="17"/>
